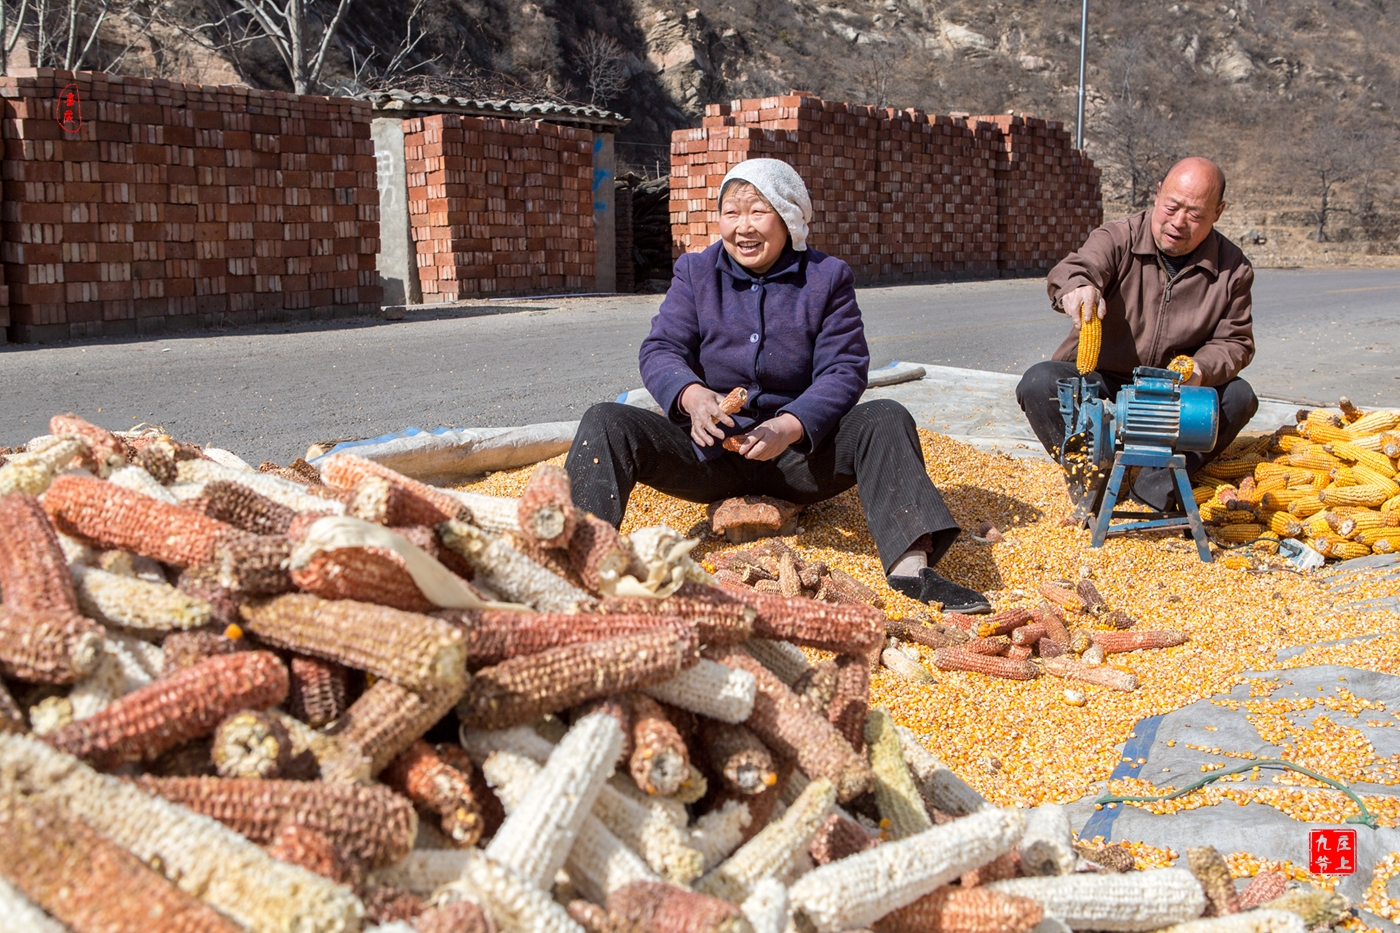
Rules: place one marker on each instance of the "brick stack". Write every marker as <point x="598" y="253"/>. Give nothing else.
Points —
<point x="900" y="195"/>
<point x="499" y="207"/>
<point x="179" y="205"/>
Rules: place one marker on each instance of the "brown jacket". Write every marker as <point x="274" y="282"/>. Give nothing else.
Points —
<point x="1206" y="314"/>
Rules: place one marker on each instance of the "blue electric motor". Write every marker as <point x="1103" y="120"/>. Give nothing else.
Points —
<point x="1150" y="423"/>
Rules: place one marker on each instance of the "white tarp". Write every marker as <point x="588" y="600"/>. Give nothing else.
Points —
<point x="450" y="455"/>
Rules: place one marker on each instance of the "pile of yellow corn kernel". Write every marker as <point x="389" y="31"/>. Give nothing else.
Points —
<point x="1329" y="480"/>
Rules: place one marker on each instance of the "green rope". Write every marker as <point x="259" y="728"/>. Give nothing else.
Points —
<point x="1363" y="818"/>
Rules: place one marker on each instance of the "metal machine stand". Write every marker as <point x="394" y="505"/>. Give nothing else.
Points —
<point x="1148" y="457"/>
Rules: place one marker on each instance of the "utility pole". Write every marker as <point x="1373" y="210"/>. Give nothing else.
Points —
<point x="1083" y="41"/>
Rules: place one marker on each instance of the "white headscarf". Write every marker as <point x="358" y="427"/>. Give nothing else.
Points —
<point x="783" y="187"/>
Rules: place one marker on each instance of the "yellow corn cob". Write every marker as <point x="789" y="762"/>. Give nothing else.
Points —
<point x="1274" y="483"/>
<point x="1318" y="525"/>
<point x="773" y="848"/>
<point x="1300" y="477"/>
<point x="1184" y="365"/>
<point x="1267" y="470"/>
<point x="1090" y="341"/>
<point x="1214" y="482"/>
<point x="1321" y="433"/>
<point x="1368" y="477"/>
<point x="1343" y="476"/>
<point x="1390" y="444"/>
<point x="1339" y="548"/>
<point x="1369" y="458"/>
<point x="1202" y="494"/>
<point x="1231" y="469"/>
<point x="1369" y="496"/>
<point x="1391" y="505"/>
<point x="1237" y="517"/>
<point x="1237" y="533"/>
<point x="896" y="796"/>
<point x="1381" y="540"/>
<point x="1314" y="458"/>
<point x="1283" y="498"/>
<point x="1374" y="422"/>
<point x="1357" y="521"/>
<point x="1288" y="442"/>
<point x="1308" y="505"/>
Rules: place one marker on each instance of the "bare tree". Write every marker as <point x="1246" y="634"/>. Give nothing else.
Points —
<point x="875" y="71"/>
<point x="1139" y="144"/>
<point x="64" y="33"/>
<point x="603" y="64"/>
<point x="1325" y="158"/>
<point x="297" y="29"/>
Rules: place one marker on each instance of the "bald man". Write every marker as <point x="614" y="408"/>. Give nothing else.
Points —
<point x="1165" y="284"/>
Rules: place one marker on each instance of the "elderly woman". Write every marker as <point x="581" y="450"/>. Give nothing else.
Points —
<point x="761" y="311"/>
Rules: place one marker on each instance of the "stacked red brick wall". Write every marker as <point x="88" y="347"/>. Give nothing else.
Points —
<point x="499" y="207"/>
<point x="900" y="195"/>
<point x="175" y="206"/>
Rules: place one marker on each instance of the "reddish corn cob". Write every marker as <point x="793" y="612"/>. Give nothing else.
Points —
<point x="738" y="757"/>
<point x="1028" y="635"/>
<point x="930" y="636"/>
<point x="159" y="462"/>
<point x="994" y="645"/>
<point x="368" y="822"/>
<point x="1210" y="869"/>
<point x="1018" y="652"/>
<point x="386" y="904"/>
<point x="152" y="720"/>
<point x="659" y="761"/>
<point x="184" y="649"/>
<point x="845" y="629"/>
<point x="1065" y="599"/>
<point x="546" y="509"/>
<point x="365" y="574"/>
<point x="716" y="618"/>
<point x="415" y="650"/>
<point x="493" y="636"/>
<point x="250" y="565"/>
<point x="520" y="690"/>
<point x="817" y="683"/>
<point x="203" y="584"/>
<point x="595" y="919"/>
<point x="851" y="700"/>
<point x="959" y="659"/>
<point x="318" y="689"/>
<point x="598" y="553"/>
<point x="105" y="452"/>
<point x="839" y="838"/>
<point x="734" y="402"/>
<point x="1119" y="642"/>
<point x="409" y="502"/>
<point x="90" y="883"/>
<point x="251" y="744"/>
<point x="114" y="518"/>
<point x="243" y="508"/>
<point x="56" y="647"/>
<point x="33" y="572"/>
<point x="1049" y="615"/>
<point x="653" y="907"/>
<point x="1119" y="619"/>
<point x="1070" y="669"/>
<point x="1264" y="887"/>
<point x="309" y="848"/>
<point x="1003" y="623"/>
<point x="388" y="717"/>
<point x="1094" y="603"/>
<point x="794" y="731"/>
<point x="951" y="909"/>
<point x="421" y="775"/>
<point x="455" y="917"/>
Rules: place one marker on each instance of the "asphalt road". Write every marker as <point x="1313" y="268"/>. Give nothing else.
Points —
<point x="267" y="392"/>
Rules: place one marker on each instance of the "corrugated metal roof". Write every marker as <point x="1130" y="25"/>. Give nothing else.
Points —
<point x="407" y="102"/>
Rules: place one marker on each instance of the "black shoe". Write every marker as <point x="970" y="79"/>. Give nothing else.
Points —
<point x="930" y="587"/>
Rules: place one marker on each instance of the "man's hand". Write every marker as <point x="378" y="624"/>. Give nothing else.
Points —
<point x="702" y="405"/>
<point x="770" y="438"/>
<point x="1079" y="303"/>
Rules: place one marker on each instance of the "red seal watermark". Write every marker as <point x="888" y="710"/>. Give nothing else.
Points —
<point x="69" y="112"/>
<point x="1332" y="851"/>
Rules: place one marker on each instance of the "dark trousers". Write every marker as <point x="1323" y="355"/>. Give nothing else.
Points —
<point x="875" y="447"/>
<point x="1037" y="397"/>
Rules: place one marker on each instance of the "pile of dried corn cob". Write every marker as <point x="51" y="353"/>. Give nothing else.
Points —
<point x="1328" y="481"/>
<point x="773" y="567"/>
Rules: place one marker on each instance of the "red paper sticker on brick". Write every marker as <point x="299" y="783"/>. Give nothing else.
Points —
<point x="1332" y="851"/>
<point x="69" y="112"/>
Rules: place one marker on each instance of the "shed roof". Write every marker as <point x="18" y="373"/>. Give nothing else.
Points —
<point x="409" y="103"/>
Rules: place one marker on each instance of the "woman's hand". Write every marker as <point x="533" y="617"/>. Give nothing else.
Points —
<point x="771" y="438"/>
<point x="705" y="415"/>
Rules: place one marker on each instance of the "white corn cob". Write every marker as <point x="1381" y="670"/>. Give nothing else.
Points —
<point x="393" y="926"/>
<point x="229" y="459"/>
<point x="496" y="514"/>
<point x="1050" y="924"/>
<point x="282" y="491"/>
<point x="854" y="892"/>
<point x="535" y="839"/>
<point x="719" y="832"/>
<point x="21" y="915"/>
<point x="507" y="571"/>
<point x="598" y="863"/>
<point x="784" y="659"/>
<point x="137" y="479"/>
<point x="797" y="866"/>
<point x="710" y="689"/>
<point x="126" y="665"/>
<point x="1047" y="848"/>
<point x="423" y="871"/>
<point x="767" y="854"/>
<point x="43" y="458"/>
<point x="76" y="552"/>
<point x="512" y="903"/>
<point x="113" y="599"/>
<point x="645" y="824"/>
<point x="184" y="492"/>
<point x="896" y="796"/>
<point x="905" y="666"/>
<point x="767" y="907"/>
<point x="939" y="786"/>
<point x="1139" y="900"/>
<point x="1249" y="921"/>
<point x="198" y="854"/>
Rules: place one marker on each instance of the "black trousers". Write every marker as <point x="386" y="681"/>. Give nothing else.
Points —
<point x="1037" y="397"/>
<point x="875" y="447"/>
